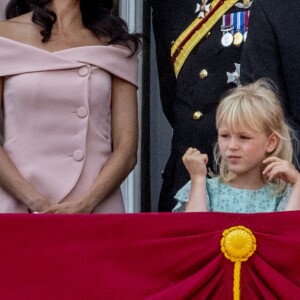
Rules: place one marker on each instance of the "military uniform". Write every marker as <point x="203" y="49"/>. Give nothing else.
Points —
<point x="190" y="95"/>
<point x="273" y="51"/>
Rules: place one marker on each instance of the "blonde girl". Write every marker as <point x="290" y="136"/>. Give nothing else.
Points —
<point x="254" y="156"/>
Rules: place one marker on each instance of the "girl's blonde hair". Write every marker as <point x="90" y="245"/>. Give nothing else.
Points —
<point x="255" y="106"/>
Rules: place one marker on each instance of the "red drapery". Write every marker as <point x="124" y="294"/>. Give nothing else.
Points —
<point x="145" y="256"/>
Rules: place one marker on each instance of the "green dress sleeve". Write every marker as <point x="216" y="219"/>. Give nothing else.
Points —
<point x="182" y="197"/>
<point x="283" y="200"/>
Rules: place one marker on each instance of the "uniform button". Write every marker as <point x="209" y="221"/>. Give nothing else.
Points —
<point x="203" y="74"/>
<point x="78" y="155"/>
<point x="197" y="115"/>
<point x="82" y="112"/>
<point x="84" y="71"/>
<point x="208" y="34"/>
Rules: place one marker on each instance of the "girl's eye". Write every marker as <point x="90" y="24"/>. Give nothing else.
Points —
<point x="244" y="137"/>
<point x="223" y="136"/>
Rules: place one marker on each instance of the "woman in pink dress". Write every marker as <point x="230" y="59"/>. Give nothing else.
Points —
<point x="68" y="80"/>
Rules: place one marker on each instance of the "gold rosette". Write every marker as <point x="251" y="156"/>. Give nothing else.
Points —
<point x="237" y="244"/>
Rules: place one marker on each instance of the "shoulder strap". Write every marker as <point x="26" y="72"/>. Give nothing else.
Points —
<point x="194" y="33"/>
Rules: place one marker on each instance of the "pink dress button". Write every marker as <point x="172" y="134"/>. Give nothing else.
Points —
<point x="82" y="112"/>
<point x="78" y="155"/>
<point x="84" y="71"/>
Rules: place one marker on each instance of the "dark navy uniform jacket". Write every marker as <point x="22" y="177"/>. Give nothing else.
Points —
<point x="272" y="51"/>
<point x="183" y="98"/>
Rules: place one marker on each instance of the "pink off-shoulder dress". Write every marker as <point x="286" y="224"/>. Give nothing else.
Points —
<point x="57" y="117"/>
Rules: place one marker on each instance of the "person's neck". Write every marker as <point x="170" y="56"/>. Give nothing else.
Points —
<point x="68" y="14"/>
<point x="247" y="182"/>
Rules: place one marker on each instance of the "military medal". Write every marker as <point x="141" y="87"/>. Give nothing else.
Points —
<point x="234" y="77"/>
<point x="203" y="9"/>
<point x="234" y="27"/>
<point x="227" y="29"/>
<point x="246" y="21"/>
<point x="237" y="23"/>
<point x="238" y="39"/>
<point x="227" y="39"/>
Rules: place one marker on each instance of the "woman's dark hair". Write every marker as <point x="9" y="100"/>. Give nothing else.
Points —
<point x="97" y="15"/>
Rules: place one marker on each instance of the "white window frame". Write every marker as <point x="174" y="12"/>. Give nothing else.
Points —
<point x="132" y="12"/>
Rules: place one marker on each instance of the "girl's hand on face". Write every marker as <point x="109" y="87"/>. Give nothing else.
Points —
<point x="195" y="162"/>
<point x="280" y="169"/>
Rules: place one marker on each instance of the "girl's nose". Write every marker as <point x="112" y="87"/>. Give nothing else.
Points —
<point x="233" y="144"/>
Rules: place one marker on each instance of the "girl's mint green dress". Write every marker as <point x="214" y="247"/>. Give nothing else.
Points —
<point x="223" y="198"/>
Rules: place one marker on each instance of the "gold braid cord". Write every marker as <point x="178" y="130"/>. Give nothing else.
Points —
<point x="237" y="244"/>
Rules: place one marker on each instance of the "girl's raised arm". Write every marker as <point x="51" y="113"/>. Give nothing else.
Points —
<point x="282" y="169"/>
<point x="195" y="162"/>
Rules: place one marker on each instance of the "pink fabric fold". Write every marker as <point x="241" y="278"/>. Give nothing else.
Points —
<point x="17" y="58"/>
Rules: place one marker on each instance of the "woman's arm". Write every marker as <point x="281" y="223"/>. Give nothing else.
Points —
<point x="13" y="182"/>
<point x="124" y="156"/>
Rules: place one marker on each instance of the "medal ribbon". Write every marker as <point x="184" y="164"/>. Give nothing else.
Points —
<point x="195" y="32"/>
<point x="237" y="21"/>
<point x="246" y="19"/>
<point x="227" y="24"/>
